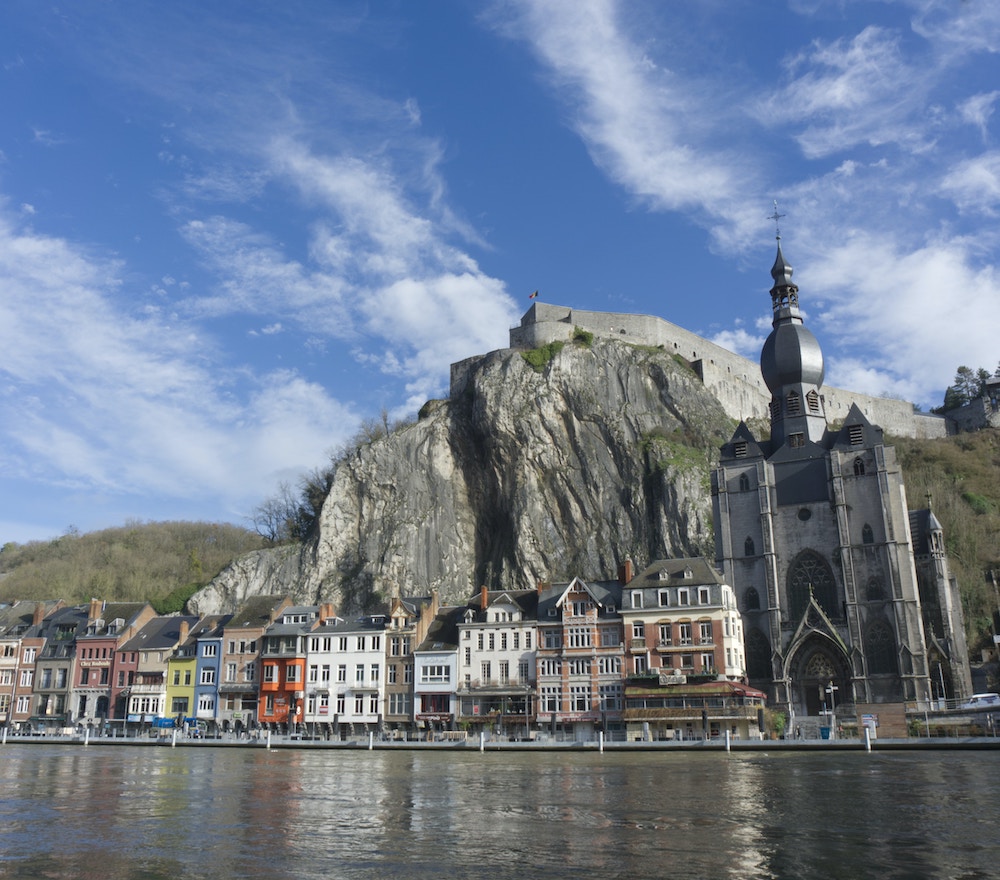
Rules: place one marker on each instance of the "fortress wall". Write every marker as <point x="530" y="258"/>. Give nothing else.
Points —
<point x="733" y="379"/>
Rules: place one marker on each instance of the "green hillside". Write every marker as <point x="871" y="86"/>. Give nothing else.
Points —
<point x="162" y="563"/>
<point x="962" y="477"/>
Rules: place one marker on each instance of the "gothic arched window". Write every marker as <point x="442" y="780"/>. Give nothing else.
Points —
<point x="758" y="655"/>
<point x="874" y="591"/>
<point x="748" y="547"/>
<point x="880" y="647"/>
<point x="867" y="535"/>
<point x="751" y="599"/>
<point x="811" y="574"/>
<point x="859" y="467"/>
<point x="744" y="483"/>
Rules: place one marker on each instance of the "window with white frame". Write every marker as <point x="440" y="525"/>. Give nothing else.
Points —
<point x="549" y="699"/>
<point x="206" y="703"/>
<point x="579" y="698"/>
<point x="550" y="666"/>
<point x="705" y="633"/>
<point x="208" y="675"/>
<point x="210" y="649"/>
<point x="435" y="673"/>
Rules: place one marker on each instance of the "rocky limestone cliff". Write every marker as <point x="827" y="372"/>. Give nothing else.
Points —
<point x="601" y="453"/>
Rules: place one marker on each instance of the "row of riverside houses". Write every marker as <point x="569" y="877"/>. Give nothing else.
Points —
<point x="654" y="655"/>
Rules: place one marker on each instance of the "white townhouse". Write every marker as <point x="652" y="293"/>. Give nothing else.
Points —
<point x="496" y="662"/>
<point x="435" y="663"/>
<point x="345" y="676"/>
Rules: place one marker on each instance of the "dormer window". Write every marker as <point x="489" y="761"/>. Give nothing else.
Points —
<point x="637" y="599"/>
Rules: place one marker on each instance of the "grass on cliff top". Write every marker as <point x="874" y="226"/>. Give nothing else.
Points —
<point x="538" y="358"/>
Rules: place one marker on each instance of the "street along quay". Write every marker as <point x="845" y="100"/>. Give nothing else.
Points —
<point x="456" y="740"/>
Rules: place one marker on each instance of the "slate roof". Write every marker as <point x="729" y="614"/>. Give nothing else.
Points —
<point x="442" y="635"/>
<point x="158" y="634"/>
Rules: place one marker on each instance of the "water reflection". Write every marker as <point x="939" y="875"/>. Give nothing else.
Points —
<point x="120" y="812"/>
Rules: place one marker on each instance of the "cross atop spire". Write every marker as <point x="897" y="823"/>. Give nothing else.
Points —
<point x="776" y="217"/>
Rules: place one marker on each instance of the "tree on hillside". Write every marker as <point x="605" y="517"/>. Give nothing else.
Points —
<point x="969" y="385"/>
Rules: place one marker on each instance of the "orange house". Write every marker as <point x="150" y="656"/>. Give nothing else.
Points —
<point x="283" y="667"/>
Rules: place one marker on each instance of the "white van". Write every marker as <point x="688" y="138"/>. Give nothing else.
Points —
<point x="982" y="701"/>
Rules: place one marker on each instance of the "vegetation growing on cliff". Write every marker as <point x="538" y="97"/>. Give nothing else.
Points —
<point x="960" y="478"/>
<point x="163" y="563"/>
<point x="537" y="358"/>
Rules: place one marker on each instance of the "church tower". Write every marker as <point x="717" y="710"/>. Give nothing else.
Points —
<point x="813" y="533"/>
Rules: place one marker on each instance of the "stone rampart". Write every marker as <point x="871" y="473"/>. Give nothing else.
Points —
<point x="734" y="380"/>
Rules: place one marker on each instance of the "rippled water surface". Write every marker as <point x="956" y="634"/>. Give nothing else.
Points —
<point x="128" y="812"/>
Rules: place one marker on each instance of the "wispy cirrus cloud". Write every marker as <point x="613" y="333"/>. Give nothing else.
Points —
<point x="98" y="397"/>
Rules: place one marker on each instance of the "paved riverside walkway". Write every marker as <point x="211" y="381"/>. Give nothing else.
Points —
<point x="473" y="743"/>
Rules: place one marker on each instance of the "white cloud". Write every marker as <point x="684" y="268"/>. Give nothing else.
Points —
<point x="641" y="122"/>
<point x="905" y="320"/>
<point x="847" y="92"/>
<point x="96" y="398"/>
<point x="978" y="109"/>
<point x="974" y="184"/>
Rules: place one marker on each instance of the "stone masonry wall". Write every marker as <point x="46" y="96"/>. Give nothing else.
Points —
<point x="734" y="380"/>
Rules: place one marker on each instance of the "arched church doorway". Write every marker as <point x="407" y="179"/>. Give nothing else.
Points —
<point x="819" y="678"/>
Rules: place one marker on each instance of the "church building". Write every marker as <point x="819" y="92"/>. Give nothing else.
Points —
<point x="845" y="593"/>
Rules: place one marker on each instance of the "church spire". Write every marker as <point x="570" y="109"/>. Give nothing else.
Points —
<point x="791" y="363"/>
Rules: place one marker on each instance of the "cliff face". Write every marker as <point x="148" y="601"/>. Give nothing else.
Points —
<point x="524" y="475"/>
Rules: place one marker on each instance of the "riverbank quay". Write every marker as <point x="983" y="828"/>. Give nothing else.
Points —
<point x="910" y="744"/>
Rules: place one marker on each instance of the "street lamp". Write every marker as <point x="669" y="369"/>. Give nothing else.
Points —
<point x="831" y="689"/>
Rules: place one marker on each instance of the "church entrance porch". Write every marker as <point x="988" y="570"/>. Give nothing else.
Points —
<point x="820" y="684"/>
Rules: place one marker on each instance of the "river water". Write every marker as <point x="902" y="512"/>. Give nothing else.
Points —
<point x="125" y="813"/>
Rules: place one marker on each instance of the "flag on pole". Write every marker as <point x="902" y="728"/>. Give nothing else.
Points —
<point x="533" y="295"/>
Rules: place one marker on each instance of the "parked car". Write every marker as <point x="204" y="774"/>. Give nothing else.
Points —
<point x="982" y="701"/>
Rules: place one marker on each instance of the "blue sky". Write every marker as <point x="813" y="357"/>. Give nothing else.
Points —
<point x="230" y="231"/>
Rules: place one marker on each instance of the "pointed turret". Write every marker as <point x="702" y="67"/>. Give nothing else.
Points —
<point x="792" y="365"/>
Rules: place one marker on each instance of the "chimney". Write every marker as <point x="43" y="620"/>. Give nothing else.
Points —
<point x="95" y="610"/>
<point x="542" y="586"/>
<point x="185" y="627"/>
<point x="39" y="614"/>
<point x="626" y="572"/>
<point x="484" y="598"/>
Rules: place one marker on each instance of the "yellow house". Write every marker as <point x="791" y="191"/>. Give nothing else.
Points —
<point x="181" y="678"/>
